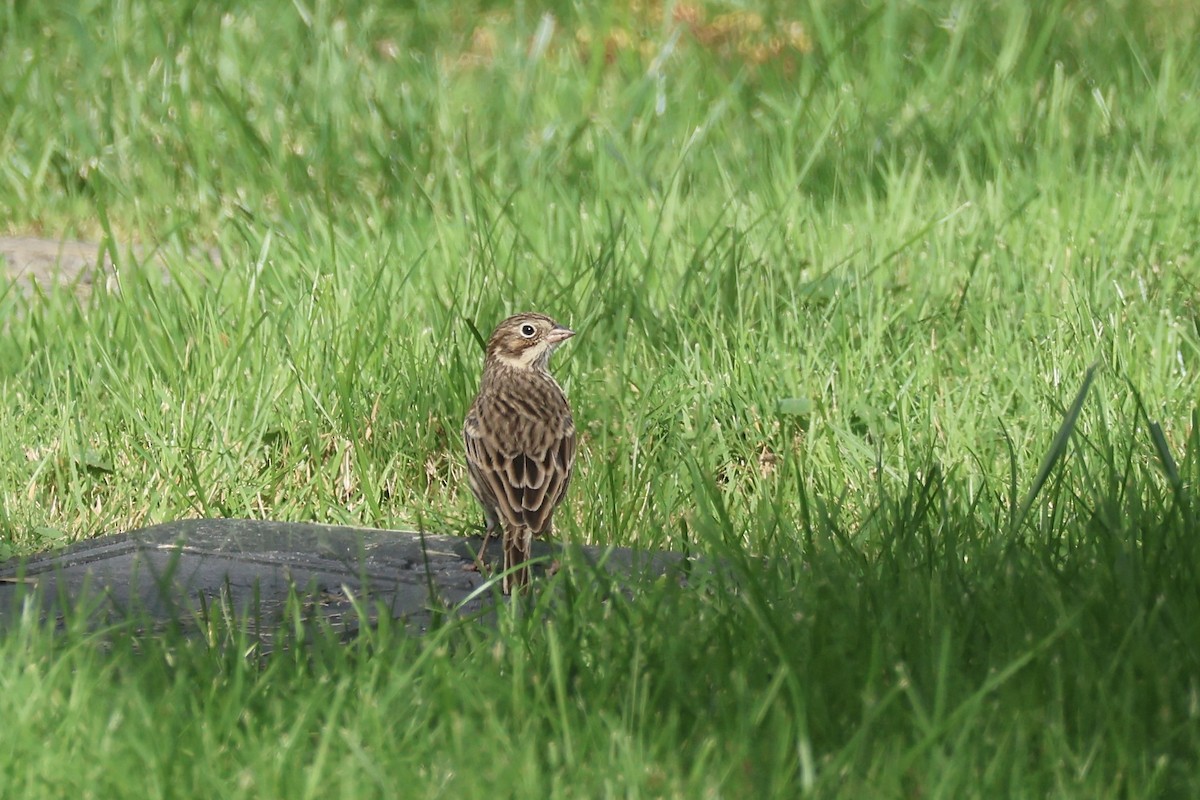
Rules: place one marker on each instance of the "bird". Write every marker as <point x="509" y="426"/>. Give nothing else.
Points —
<point x="520" y="439"/>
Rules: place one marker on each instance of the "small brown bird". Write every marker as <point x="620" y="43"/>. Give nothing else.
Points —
<point x="520" y="437"/>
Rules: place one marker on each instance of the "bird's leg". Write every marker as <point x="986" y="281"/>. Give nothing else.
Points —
<point x="555" y="564"/>
<point x="479" y="565"/>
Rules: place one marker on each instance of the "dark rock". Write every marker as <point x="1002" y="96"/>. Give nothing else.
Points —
<point x="184" y="572"/>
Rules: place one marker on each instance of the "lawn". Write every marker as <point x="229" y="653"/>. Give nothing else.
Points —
<point x="891" y="308"/>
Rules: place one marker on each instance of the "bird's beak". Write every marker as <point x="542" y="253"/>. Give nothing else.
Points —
<point x="559" y="334"/>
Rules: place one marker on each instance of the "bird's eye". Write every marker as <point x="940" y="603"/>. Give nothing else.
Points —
<point x="528" y="330"/>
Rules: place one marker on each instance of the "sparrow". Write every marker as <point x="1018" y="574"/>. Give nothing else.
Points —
<point x="520" y="438"/>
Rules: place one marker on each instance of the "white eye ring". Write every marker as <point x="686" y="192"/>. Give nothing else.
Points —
<point x="528" y="330"/>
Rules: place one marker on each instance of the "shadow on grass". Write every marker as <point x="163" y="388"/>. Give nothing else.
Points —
<point x="930" y="648"/>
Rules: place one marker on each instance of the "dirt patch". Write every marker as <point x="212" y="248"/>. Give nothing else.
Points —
<point x="28" y="261"/>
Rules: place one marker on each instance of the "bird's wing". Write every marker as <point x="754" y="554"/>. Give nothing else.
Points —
<point x="526" y="485"/>
<point x="483" y="468"/>
<point x="543" y="478"/>
<point x="564" y="464"/>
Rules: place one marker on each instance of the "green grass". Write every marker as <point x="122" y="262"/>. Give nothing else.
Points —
<point x="834" y="308"/>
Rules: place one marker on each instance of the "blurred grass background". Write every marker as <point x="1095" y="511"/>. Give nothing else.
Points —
<point x="839" y="272"/>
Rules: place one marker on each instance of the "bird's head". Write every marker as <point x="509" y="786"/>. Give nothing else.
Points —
<point x="525" y="341"/>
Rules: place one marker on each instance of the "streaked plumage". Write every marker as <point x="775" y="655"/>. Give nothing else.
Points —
<point x="520" y="437"/>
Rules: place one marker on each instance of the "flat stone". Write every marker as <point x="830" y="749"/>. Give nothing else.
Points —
<point x="182" y="572"/>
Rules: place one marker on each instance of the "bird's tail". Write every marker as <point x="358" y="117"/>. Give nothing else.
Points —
<point x="518" y="543"/>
